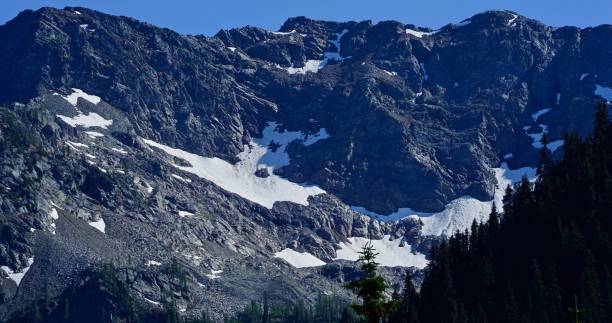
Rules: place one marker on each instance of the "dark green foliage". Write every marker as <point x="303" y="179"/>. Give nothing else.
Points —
<point x="371" y="288"/>
<point x="546" y="258"/>
<point x="326" y="309"/>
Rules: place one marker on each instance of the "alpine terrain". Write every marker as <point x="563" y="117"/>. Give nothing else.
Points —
<point x="145" y="169"/>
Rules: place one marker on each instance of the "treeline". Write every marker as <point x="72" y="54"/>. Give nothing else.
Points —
<point x="327" y="309"/>
<point x="546" y="258"/>
<point x="101" y="297"/>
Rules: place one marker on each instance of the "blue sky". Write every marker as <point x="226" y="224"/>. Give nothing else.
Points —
<point x="207" y="17"/>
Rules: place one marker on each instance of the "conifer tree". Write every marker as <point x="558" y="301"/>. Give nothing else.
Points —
<point x="370" y="288"/>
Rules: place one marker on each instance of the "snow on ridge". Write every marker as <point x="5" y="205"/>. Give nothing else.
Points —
<point x="604" y="92"/>
<point x="284" y="32"/>
<point x="463" y="23"/>
<point x="99" y="225"/>
<point x="241" y="179"/>
<point x="461" y="212"/>
<point x="420" y="34"/>
<point x="299" y="259"/>
<point x="391" y="254"/>
<point x="536" y="115"/>
<point x="18" y="276"/>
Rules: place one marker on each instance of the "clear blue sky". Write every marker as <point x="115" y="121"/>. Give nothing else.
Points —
<point x="207" y="17"/>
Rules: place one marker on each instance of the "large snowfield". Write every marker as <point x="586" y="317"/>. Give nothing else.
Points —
<point x="461" y="212"/>
<point x="241" y="179"/>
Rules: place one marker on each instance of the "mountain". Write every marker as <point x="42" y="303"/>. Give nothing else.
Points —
<point x="257" y="161"/>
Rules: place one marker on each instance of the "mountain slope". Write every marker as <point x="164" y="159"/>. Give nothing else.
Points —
<point x="220" y="153"/>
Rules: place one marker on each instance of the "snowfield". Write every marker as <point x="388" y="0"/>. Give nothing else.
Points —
<point x="241" y="179"/>
<point x="299" y="259"/>
<point x="461" y="212"/>
<point x="391" y="254"/>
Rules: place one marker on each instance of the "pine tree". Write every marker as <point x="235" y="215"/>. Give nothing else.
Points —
<point x="370" y="288"/>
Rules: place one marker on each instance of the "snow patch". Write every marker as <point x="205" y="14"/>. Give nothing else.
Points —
<point x="583" y="76"/>
<point x="153" y="263"/>
<point x="299" y="259"/>
<point x="214" y="274"/>
<point x="423" y="71"/>
<point x="18" y="276"/>
<point x="512" y="19"/>
<point x="419" y="34"/>
<point x="73" y="98"/>
<point x="558" y="99"/>
<point x="464" y="23"/>
<point x="233" y="49"/>
<point x="604" y="92"/>
<point x="552" y="146"/>
<point x="311" y="65"/>
<point x="151" y="301"/>
<point x="94" y="134"/>
<point x="508" y="156"/>
<point x="461" y="212"/>
<point x="391" y="254"/>
<point x="390" y="73"/>
<point x="183" y="214"/>
<point x="76" y="145"/>
<point x="314" y="65"/>
<point x="284" y="32"/>
<point x="536" y="137"/>
<point x="240" y="178"/>
<point x="186" y="180"/>
<point x="536" y="115"/>
<point x="88" y="120"/>
<point x="99" y="225"/>
<point x="119" y="150"/>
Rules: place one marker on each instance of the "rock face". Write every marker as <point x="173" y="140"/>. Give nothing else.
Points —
<point x="385" y="116"/>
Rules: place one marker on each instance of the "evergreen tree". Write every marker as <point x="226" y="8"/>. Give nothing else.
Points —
<point x="370" y="288"/>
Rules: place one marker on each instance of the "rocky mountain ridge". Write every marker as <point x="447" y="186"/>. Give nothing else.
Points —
<point x="217" y="153"/>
